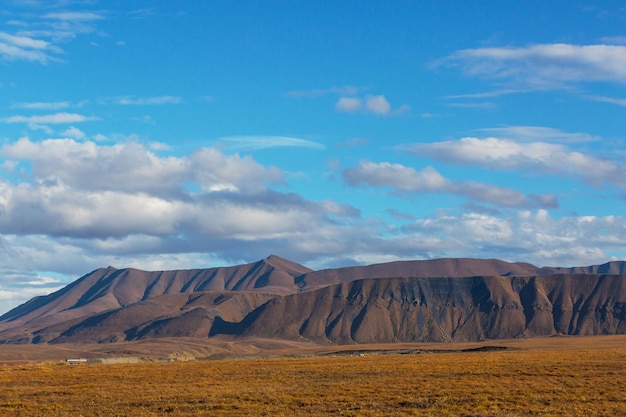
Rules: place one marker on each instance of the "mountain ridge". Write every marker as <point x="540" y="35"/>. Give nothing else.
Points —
<point x="383" y="302"/>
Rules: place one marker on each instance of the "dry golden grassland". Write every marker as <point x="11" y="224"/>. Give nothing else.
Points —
<point x="571" y="381"/>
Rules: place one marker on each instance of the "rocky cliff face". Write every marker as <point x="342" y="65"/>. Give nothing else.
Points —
<point x="443" y="309"/>
<point x="437" y="300"/>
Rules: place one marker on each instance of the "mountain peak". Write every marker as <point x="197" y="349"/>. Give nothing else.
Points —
<point x="286" y="264"/>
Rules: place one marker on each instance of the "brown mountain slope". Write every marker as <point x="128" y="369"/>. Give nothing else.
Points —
<point x="442" y="309"/>
<point x="612" y="268"/>
<point x="445" y="267"/>
<point x="170" y="315"/>
<point x="110" y="288"/>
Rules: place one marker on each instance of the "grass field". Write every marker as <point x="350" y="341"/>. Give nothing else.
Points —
<point x="556" y="379"/>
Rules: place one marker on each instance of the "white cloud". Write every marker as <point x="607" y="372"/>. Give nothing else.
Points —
<point x="614" y="40"/>
<point x="544" y="66"/>
<point x="507" y="154"/>
<point x="11" y="52"/>
<point x="74" y="16"/>
<point x="46" y="129"/>
<point x="39" y="36"/>
<point x="130" y="167"/>
<point x="144" y="101"/>
<point x="57" y="118"/>
<point x="159" y="146"/>
<point x="610" y="100"/>
<point x="398" y="176"/>
<point x="346" y="90"/>
<point x="74" y="133"/>
<point x="23" y="41"/>
<point x="404" y="179"/>
<point x="526" y="236"/>
<point x="213" y="170"/>
<point x="252" y="143"/>
<point x="377" y="104"/>
<point x="57" y="105"/>
<point x="487" y="94"/>
<point x="348" y="104"/>
<point x="539" y="133"/>
<point x="81" y="189"/>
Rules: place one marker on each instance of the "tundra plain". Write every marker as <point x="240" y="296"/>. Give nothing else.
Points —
<point x="554" y="376"/>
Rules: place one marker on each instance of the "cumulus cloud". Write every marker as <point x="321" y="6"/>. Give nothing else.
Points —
<point x="216" y="171"/>
<point x="404" y="179"/>
<point x="507" y="154"/>
<point x="398" y="176"/>
<point x="544" y="66"/>
<point x="82" y="190"/>
<point x="131" y="167"/>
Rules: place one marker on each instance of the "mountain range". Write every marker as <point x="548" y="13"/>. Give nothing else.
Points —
<point x="439" y="300"/>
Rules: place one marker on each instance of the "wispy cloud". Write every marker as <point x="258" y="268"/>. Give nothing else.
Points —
<point x="146" y="101"/>
<point x="620" y="40"/>
<point x="474" y="105"/>
<point x="23" y="41"/>
<point x="486" y="94"/>
<point x="41" y="105"/>
<point x="39" y="36"/>
<point x="543" y="66"/>
<point x="252" y="143"/>
<point x="24" y="48"/>
<point x="610" y="100"/>
<point x="74" y="16"/>
<point x="539" y="133"/>
<point x="346" y="90"/>
<point x="57" y="118"/>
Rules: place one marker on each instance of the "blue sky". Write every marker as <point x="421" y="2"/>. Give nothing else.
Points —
<point x="163" y="135"/>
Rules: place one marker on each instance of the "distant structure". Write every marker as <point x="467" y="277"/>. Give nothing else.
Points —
<point x="75" y="361"/>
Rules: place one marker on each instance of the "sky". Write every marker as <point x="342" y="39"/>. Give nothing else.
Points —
<point x="191" y="134"/>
